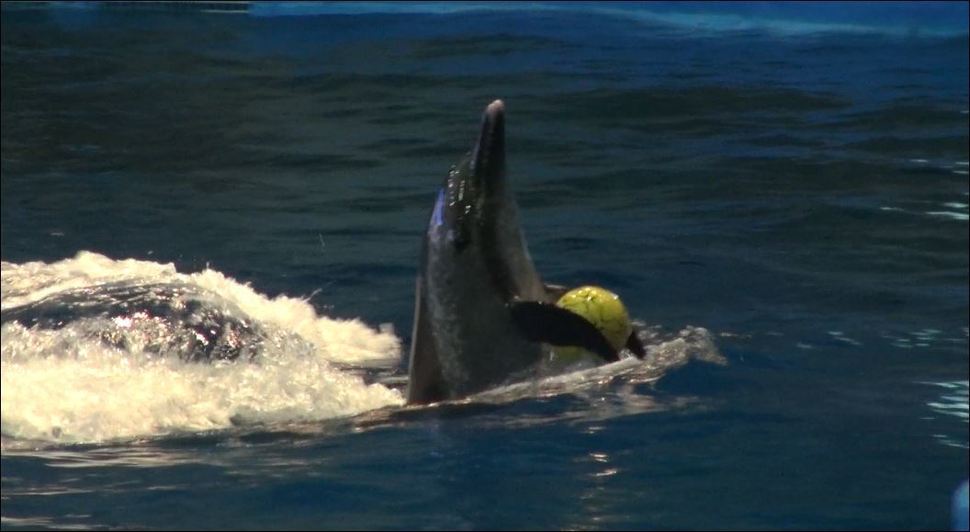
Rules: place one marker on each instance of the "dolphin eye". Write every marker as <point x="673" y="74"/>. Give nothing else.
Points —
<point x="461" y="235"/>
<point x="464" y="226"/>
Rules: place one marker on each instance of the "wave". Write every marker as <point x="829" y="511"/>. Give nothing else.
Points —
<point x="901" y="19"/>
<point x="937" y="19"/>
<point x="107" y="377"/>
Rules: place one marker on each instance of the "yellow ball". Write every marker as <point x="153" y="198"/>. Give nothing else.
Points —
<point x="603" y="309"/>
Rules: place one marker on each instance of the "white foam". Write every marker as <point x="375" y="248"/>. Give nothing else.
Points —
<point x="691" y="343"/>
<point x="344" y="341"/>
<point x="67" y="386"/>
<point x="954" y="402"/>
<point x="951" y="215"/>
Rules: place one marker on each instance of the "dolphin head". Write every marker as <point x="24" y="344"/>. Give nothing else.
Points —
<point x="486" y="163"/>
<point x="472" y="186"/>
<point x="476" y="212"/>
<point x="474" y="263"/>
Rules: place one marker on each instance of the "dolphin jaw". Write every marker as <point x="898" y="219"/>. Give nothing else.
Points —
<point x="473" y="184"/>
<point x="488" y="156"/>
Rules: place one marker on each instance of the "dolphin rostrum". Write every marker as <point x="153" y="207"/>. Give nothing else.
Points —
<point x="482" y="315"/>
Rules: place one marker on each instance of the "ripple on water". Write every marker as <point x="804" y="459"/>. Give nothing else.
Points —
<point x="953" y="402"/>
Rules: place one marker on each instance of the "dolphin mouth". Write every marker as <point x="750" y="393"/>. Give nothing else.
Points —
<point x="488" y="156"/>
<point x="475" y="187"/>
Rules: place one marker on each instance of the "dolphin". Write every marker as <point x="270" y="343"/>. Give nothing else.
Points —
<point x="483" y="317"/>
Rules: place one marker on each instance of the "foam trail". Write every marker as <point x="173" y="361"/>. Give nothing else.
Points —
<point x="69" y="385"/>
<point x="344" y="341"/>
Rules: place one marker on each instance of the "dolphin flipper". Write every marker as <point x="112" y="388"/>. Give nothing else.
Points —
<point x="633" y="343"/>
<point x="545" y="322"/>
<point x="426" y="384"/>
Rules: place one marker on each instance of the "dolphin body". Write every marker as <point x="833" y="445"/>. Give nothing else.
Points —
<point x="483" y="316"/>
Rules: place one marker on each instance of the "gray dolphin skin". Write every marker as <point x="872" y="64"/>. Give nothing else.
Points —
<point x="482" y="315"/>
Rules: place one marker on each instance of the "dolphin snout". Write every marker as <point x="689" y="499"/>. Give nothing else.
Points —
<point x="488" y="157"/>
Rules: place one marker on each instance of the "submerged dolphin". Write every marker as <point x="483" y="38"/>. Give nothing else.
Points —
<point x="482" y="315"/>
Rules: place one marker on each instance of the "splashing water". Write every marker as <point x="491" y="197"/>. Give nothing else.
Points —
<point x="106" y="377"/>
<point x="96" y="349"/>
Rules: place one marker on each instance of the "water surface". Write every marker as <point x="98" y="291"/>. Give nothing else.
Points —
<point x="799" y="190"/>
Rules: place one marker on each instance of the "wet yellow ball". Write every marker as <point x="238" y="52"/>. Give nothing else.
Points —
<point x="603" y="309"/>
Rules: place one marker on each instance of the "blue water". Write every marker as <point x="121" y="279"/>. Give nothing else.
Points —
<point x="794" y="180"/>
